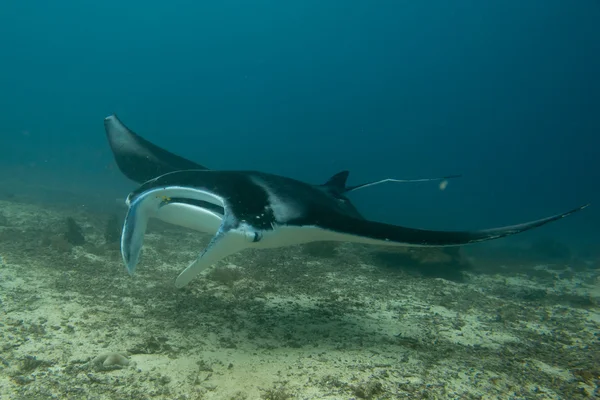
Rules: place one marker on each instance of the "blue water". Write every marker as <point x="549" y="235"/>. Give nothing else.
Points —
<point x="505" y="92"/>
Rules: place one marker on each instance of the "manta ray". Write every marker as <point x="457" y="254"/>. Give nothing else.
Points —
<point x="253" y="209"/>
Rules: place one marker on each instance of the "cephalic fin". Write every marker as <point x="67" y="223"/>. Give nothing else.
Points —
<point x="146" y="206"/>
<point x="223" y="244"/>
<point x="134" y="229"/>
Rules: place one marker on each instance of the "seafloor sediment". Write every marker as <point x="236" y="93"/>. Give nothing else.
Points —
<point x="278" y="324"/>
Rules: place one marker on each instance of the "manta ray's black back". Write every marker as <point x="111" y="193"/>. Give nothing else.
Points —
<point x="137" y="158"/>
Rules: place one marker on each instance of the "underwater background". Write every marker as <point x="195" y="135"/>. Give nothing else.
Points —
<point x="506" y="93"/>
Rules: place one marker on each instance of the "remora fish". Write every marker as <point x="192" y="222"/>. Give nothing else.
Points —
<point x="244" y="209"/>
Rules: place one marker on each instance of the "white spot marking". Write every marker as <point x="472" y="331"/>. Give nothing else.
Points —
<point x="284" y="210"/>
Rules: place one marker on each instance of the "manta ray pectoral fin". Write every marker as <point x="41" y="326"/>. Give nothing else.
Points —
<point x="223" y="244"/>
<point x="371" y="232"/>
<point x="137" y="158"/>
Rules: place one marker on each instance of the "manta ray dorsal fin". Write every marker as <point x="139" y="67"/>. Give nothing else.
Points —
<point x="145" y="206"/>
<point x="338" y="181"/>
<point x="392" y="180"/>
<point x="223" y="244"/>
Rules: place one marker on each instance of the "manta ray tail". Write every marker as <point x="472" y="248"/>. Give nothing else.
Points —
<point x="338" y="182"/>
<point x="139" y="159"/>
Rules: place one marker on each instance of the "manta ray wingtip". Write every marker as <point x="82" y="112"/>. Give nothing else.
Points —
<point x="577" y="209"/>
<point x="582" y="207"/>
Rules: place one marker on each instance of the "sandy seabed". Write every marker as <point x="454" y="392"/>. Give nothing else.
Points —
<point x="278" y="324"/>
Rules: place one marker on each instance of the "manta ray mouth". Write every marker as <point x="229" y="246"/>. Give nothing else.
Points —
<point x="217" y="209"/>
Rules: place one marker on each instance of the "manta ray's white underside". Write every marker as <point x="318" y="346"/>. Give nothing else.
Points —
<point x="207" y="221"/>
<point x="224" y="242"/>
